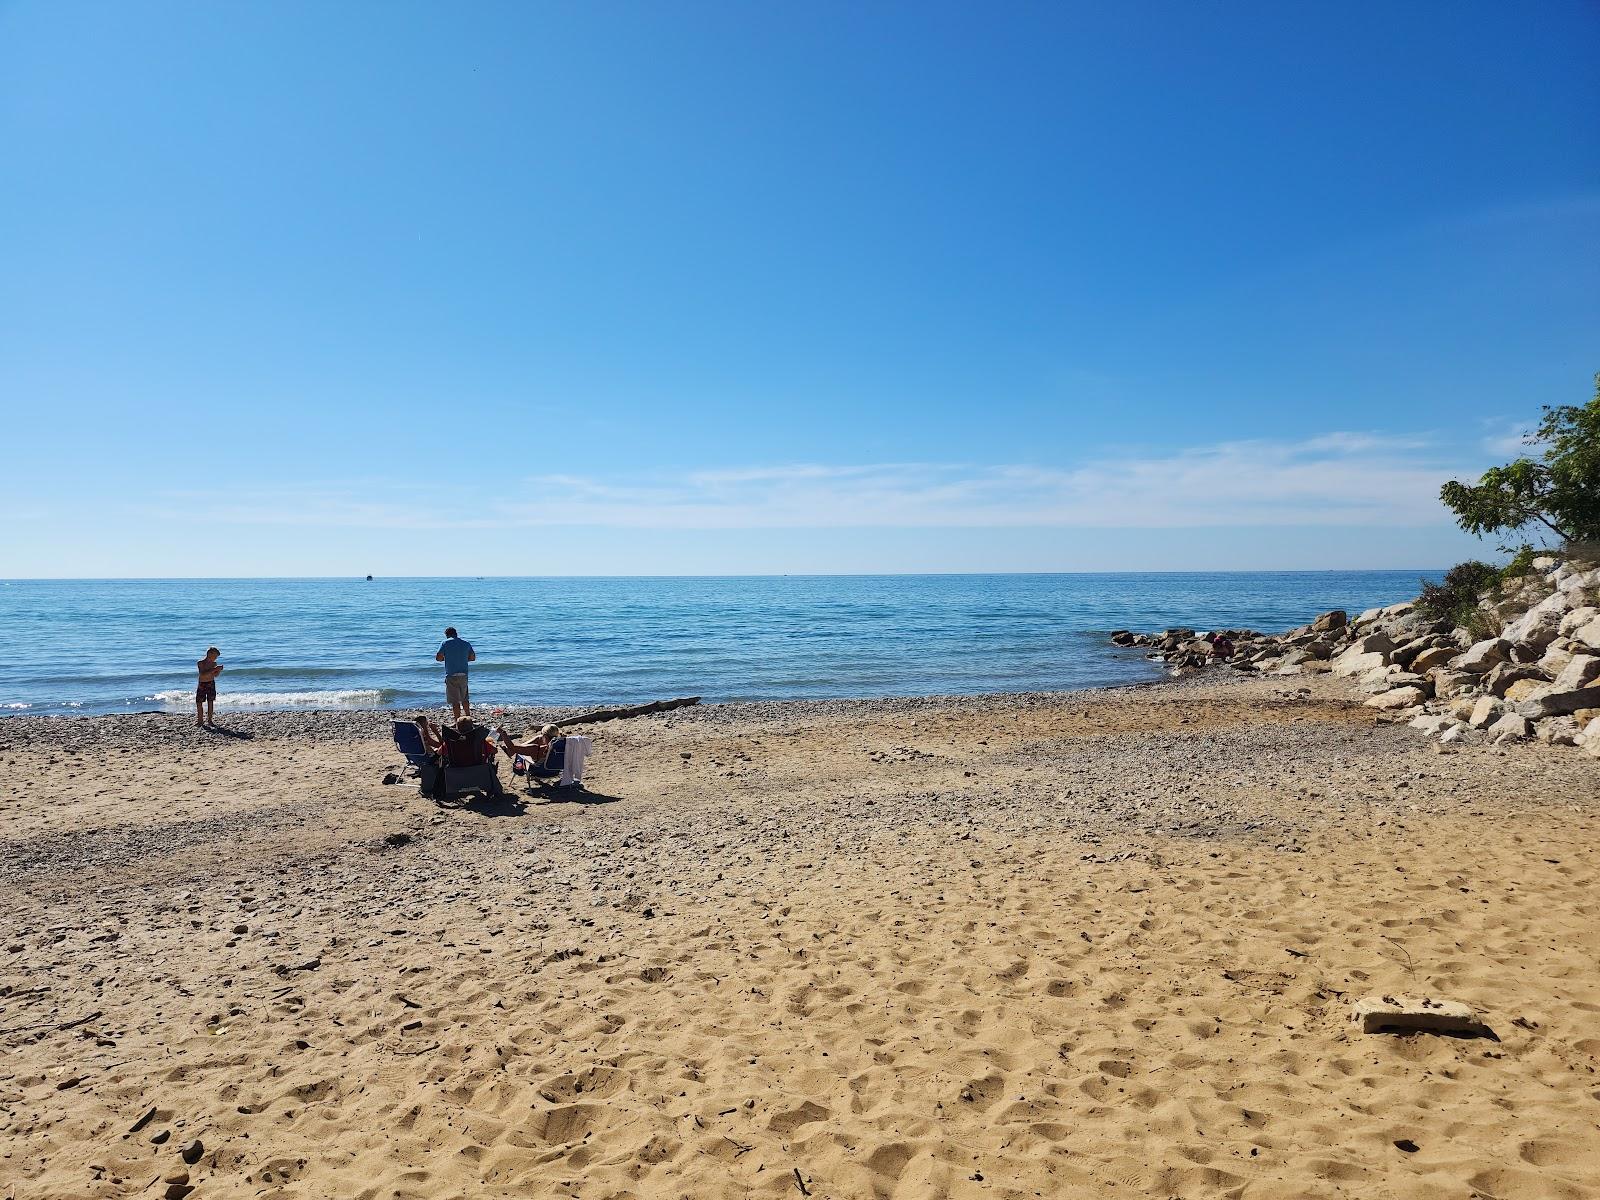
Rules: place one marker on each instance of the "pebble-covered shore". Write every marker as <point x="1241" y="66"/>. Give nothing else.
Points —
<point x="347" y="725"/>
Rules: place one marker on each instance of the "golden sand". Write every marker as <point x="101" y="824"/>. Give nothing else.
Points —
<point x="1079" y="947"/>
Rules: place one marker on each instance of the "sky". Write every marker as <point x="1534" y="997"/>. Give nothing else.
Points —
<point x="707" y="288"/>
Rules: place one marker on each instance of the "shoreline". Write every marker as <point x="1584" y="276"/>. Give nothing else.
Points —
<point x="355" y="723"/>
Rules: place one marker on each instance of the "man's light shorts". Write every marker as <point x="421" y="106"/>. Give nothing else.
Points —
<point x="455" y="689"/>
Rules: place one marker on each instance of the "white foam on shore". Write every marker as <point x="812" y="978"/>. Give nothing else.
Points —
<point x="356" y="698"/>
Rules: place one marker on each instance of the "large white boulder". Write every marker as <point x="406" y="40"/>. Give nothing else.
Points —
<point x="1498" y="680"/>
<point x="1401" y="697"/>
<point x="1510" y="727"/>
<point x="1557" y="731"/>
<point x="1447" y="683"/>
<point x="1588" y="635"/>
<point x="1541" y="624"/>
<point x="1486" y="711"/>
<point x="1548" y="702"/>
<point x="1353" y="662"/>
<point x="1578" y="617"/>
<point x="1582" y="581"/>
<point x="1372" y="643"/>
<point x="1428" y="659"/>
<point x="1330" y="621"/>
<point x="1556" y="657"/>
<point x="1432" y="724"/>
<point x="1583" y="670"/>
<point x="1482" y="655"/>
<point x="1524" y="688"/>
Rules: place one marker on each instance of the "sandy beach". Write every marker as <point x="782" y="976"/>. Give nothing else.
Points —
<point x="1096" y="944"/>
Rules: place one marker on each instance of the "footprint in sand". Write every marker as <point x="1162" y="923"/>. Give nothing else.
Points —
<point x="982" y="1093"/>
<point x="785" y="1123"/>
<point x="889" y="1161"/>
<point x="1547" y="1152"/>
<point x="597" y="1083"/>
<point x="567" y="1124"/>
<point x="657" y="1150"/>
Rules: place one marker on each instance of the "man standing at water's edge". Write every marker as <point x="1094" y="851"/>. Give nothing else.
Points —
<point x="455" y="653"/>
<point x="205" y="693"/>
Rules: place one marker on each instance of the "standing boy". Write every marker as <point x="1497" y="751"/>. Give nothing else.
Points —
<point x="455" y="653"/>
<point x="205" y="695"/>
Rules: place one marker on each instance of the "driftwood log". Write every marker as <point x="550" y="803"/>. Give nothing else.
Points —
<point x="617" y="714"/>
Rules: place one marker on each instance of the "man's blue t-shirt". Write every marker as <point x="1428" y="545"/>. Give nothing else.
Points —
<point x="455" y="651"/>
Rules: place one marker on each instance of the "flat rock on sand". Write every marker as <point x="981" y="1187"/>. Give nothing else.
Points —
<point x="1078" y="945"/>
<point x="1416" y="1014"/>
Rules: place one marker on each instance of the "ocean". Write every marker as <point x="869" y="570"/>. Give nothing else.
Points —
<point x="101" y="646"/>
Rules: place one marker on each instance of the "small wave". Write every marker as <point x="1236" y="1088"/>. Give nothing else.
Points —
<point x="17" y="705"/>
<point x="352" y="698"/>
<point x="287" y="672"/>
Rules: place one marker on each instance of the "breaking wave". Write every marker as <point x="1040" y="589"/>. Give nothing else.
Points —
<point x="352" y="698"/>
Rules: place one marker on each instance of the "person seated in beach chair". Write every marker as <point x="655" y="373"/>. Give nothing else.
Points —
<point x="548" y="755"/>
<point x="466" y="744"/>
<point x="432" y="742"/>
<point x="416" y="741"/>
<point x="536" y="748"/>
<point x="465" y="758"/>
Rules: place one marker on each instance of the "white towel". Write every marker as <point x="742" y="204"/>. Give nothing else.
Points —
<point x="572" y="764"/>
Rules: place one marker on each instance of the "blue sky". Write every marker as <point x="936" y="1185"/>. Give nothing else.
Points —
<point x="704" y="288"/>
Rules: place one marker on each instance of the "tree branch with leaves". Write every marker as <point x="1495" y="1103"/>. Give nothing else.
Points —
<point x="1558" y="491"/>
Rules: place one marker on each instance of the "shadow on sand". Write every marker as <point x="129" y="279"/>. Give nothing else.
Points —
<point x="515" y="804"/>
<point x="506" y="804"/>
<point x="578" y="794"/>
<point x="243" y="735"/>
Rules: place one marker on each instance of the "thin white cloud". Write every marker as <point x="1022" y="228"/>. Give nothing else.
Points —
<point x="1333" y="479"/>
<point x="1506" y="439"/>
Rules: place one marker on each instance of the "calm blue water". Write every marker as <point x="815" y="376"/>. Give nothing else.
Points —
<point x="121" y="645"/>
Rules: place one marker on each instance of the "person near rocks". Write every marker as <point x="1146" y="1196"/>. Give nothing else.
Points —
<point x="1221" y="646"/>
<point x="455" y="653"/>
<point x="205" y="693"/>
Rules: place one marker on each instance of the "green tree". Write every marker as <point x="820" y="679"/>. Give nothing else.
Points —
<point x="1559" y="490"/>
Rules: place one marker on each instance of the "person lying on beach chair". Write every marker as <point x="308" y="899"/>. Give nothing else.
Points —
<point x="537" y="747"/>
<point x="549" y="754"/>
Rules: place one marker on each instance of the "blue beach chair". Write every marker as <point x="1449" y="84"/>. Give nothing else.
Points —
<point x="408" y="740"/>
<point x="538" y="773"/>
<point x="479" y="778"/>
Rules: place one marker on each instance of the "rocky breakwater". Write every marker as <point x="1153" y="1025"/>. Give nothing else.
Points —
<point x="1536" y="675"/>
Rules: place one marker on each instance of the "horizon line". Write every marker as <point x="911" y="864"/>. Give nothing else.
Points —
<point x="700" y="575"/>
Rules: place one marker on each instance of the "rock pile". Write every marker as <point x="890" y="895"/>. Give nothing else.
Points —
<point x="1538" y="677"/>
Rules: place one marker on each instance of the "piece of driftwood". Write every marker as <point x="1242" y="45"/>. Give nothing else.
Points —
<point x="1410" y="1014"/>
<point x="638" y="710"/>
